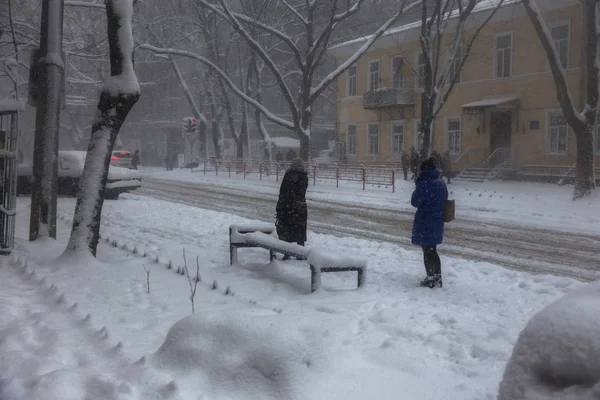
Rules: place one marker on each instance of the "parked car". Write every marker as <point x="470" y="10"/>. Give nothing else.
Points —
<point x="121" y="158"/>
<point x="70" y="168"/>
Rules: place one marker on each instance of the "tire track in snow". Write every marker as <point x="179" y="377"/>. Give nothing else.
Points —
<point x="524" y="249"/>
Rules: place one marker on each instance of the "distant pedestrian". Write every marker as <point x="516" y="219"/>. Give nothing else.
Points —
<point x="291" y="211"/>
<point x="414" y="162"/>
<point x="169" y="162"/>
<point x="405" y="165"/>
<point x="279" y="156"/>
<point x="447" y="162"/>
<point x="290" y="156"/>
<point x="428" y="227"/>
<point x="135" y="160"/>
<point x="439" y="163"/>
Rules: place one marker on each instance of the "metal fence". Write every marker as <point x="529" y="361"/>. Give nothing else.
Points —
<point x="380" y="175"/>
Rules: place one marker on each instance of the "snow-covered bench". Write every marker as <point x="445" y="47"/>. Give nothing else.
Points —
<point x="265" y="236"/>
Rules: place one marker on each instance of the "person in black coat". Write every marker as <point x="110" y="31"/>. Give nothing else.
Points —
<point x="291" y="211"/>
<point x="135" y="160"/>
<point x="405" y="165"/>
<point x="414" y="162"/>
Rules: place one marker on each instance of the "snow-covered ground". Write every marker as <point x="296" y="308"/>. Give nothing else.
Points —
<point x="270" y="339"/>
<point x="526" y="204"/>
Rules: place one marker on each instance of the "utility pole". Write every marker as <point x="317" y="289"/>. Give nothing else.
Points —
<point x="50" y="71"/>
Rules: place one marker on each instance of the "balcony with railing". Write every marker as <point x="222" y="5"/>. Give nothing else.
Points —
<point x="388" y="98"/>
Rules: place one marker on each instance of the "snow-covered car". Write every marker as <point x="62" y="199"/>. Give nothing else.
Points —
<point x="70" y="168"/>
<point x="121" y="158"/>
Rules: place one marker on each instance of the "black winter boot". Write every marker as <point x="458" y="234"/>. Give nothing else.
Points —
<point x="429" y="281"/>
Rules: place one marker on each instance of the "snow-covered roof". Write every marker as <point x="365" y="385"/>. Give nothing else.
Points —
<point x="283" y="142"/>
<point x="492" y="102"/>
<point x="400" y="33"/>
<point x="11" y="105"/>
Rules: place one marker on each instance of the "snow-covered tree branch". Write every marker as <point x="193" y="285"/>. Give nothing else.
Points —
<point x="272" y="117"/>
<point x="321" y="19"/>
<point x="442" y="69"/>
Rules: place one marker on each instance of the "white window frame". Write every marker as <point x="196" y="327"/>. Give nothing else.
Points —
<point x="447" y="134"/>
<point x="416" y="124"/>
<point x="369" y="138"/>
<point x="354" y="152"/>
<point x="454" y="62"/>
<point x="556" y="24"/>
<point x="355" y="76"/>
<point x="549" y="134"/>
<point x="370" y="78"/>
<point x="392" y="134"/>
<point x="392" y="75"/>
<point x="420" y="81"/>
<point x="512" y="58"/>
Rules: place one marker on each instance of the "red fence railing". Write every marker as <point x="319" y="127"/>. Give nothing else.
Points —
<point x="381" y="175"/>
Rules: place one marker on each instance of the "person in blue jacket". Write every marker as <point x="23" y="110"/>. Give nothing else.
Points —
<point x="428" y="227"/>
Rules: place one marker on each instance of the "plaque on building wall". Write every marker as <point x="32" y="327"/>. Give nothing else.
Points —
<point x="534" y="125"/>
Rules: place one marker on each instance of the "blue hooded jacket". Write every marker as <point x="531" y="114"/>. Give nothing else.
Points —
<point x="428" y="198"/>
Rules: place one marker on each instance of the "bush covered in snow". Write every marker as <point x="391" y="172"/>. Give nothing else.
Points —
<point x="250" y="354"/>
<point x="557" y="355"/>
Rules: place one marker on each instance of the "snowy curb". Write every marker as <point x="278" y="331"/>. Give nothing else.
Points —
<point x="166" y="262"/>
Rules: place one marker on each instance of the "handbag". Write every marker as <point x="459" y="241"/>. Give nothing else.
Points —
<point x="449" y="210"/>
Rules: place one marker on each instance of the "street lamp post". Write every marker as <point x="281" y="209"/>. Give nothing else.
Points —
<point x="49" y="69"/>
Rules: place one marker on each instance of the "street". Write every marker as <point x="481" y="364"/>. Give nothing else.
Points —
<point x="523" y="249"/>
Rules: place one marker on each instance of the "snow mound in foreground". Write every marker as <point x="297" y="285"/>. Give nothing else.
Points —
<point x="250" y="354"/>
<point x="557" y="355"/>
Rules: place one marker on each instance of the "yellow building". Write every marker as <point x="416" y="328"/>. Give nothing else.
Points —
<point x="504" y="107"/>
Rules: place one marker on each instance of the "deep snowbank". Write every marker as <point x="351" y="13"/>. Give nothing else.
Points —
<point x="557" y="355"/>
<point x="250" y="354"/>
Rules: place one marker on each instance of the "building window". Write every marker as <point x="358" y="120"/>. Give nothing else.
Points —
<point x="560" y="35"/>
<point x="503" y="55"/>
<point x="351" y="145"/>
<point x="421" y="71"/>
<point x="398" y="72"/>
<point x="418" y="136"/>
<point x="557" y="133"/>
<point x="352" y="81"/>
<point x="453" y="135"/>
<point x="373" y="75"/>
<point x="397" y="137"/>
<point x="373" y="138"/>
<point x="455" y="67"/>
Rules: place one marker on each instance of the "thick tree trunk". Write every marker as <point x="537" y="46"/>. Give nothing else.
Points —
<point x="304" y="146"/>
<point x="119" y="95"/>
<point x="585" y="180"/>
<point x="216" y="137"/>
<point x="112" y="111"/>
<point x="305" y="135"/>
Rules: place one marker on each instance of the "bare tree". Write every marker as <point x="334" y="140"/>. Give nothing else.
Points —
<point x="316" y="22"/>
<point x="583" y="122"/>
<point x="443" y="27"/>
<point x="166" y="28"/>
<point x="119" y="94"/>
